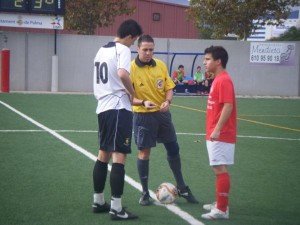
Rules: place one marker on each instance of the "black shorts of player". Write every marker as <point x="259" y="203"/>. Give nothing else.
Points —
<point x="153" y="127"/>
<point x="115" y="130"/>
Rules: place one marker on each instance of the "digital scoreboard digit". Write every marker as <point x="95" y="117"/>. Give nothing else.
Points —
<point x="13" y="5"/>
<point x="34" y="6"/>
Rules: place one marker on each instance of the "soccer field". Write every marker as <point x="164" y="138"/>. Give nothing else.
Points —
<point x="48" y="144"/>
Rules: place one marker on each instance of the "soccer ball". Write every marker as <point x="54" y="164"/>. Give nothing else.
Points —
<point x="166" y="193"/>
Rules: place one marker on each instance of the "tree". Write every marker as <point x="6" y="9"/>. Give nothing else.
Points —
<point x="236" y="16"/>
<point x="293" y="34"/>
<point x="84" y="16"/>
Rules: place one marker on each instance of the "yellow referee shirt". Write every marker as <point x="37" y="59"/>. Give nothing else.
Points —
<point x="150" y="81"/>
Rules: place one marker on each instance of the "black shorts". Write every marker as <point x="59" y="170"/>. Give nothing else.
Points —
<point x="115" y="130"/>
<point x="153" y="127"/>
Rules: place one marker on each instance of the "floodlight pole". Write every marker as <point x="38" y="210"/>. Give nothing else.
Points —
<point x="54" y="80"/>
<point x="55" y="40"/>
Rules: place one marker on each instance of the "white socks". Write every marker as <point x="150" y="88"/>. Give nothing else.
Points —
<point x="116" y="204"/>
<point x="99" y="198"/>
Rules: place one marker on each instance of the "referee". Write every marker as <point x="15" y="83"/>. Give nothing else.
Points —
<point x="152" y="119"/>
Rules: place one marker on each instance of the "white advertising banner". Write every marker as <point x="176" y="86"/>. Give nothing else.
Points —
<point x="31" y="21"/>
<point x="272" y="53"/>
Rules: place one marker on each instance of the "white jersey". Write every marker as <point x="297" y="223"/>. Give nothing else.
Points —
<point x="108" y="87"/>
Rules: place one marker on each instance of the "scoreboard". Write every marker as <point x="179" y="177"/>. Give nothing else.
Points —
<point x="56" y="7"/>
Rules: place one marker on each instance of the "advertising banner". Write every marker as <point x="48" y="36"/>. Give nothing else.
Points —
<point x="272" y="53"/>
<point x="31" y="21"/>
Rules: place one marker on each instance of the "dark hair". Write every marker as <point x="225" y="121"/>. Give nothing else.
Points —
<point x="218" y="52"/>
<point x="129" y="27"/>
<point x="180" y="66"/>
<point x="145" y="38"/>
<point x="198" y="67"/>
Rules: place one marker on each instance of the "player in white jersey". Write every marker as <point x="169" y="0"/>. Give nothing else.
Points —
<point x="114" y="92"/>
<point x="108" y="87"/>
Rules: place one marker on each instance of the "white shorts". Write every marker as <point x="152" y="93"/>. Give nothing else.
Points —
<point x="220" y="153"/>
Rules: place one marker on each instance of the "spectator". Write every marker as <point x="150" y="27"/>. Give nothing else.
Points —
<point x="206" y="84"/>
<point x="198" y="75"/>
<point x="179" y="75"/>
<point x="198" y="78"/>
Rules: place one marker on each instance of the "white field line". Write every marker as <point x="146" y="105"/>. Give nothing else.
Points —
<point x="173" y="208"/>
<point x="188" y="134"/>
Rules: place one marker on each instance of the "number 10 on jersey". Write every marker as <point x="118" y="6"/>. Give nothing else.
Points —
<point x="102" y="72"/>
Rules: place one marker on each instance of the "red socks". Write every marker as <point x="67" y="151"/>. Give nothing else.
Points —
<point x="222" y="191"/>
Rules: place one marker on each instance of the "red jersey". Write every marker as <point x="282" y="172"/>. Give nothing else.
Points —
<point x="222" y="91"/>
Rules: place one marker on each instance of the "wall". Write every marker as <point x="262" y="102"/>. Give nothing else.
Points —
<point x="172" y="21"/>
<point x="31" y="54"/>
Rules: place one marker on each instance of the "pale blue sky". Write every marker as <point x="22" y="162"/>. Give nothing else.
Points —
<point x="180" y="2"/>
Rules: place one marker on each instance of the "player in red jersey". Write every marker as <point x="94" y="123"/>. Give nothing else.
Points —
<point x="220" y="129"/>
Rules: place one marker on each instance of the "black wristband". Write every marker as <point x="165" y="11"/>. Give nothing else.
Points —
<point x="143" y="102"/>
<point x="169" y="101"/>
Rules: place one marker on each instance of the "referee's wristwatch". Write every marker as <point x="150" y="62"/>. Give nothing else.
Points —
<point x="167" y="100"/>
